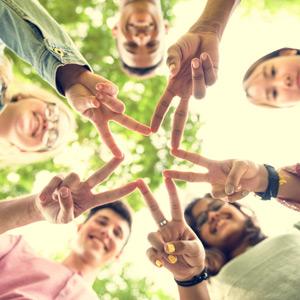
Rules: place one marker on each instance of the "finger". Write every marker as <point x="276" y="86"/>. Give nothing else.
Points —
<point x="131" y="124"/>
<point x="155" y="257"/>
<point x="238" y="196"/>
<point x="161" y="109"/>
<point x="218" y="192"/>
<point x="151" y="202"/>
<point x="199" y="87"/>
<point x="192" y="157"/>
<point x="107" y="88"/>
<point x="112" y="102"/>
<point x="174" y="59"/>
<point x="176" y="210"/>
<point x="87" y="102"/>
<point x="108" y="139"/>
<point x="238" y="169"/>
<point x="156" y="241"/>
<point x="104" y="172"/>
<point x="47" y="192"/>
<point x="209" y="70"/>
<point x="186" y="176"/>
<point x="71" y="180"/>
<point x="113" y="195"/>
<point x="179" y="122"/>
<point x="66" y="205"/>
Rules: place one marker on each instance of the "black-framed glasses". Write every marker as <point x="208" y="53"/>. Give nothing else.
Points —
<point x="3" y="88"/>
<point x="202" y="218"/>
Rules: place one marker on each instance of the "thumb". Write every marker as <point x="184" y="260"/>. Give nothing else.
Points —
<point x="174" y="59"/>
<point x="66" y="205"/>
<point x="232" y="184"/>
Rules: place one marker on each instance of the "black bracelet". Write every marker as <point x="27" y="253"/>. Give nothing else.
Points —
<point x="273" y="184"/>
<point x="195" y="280"/>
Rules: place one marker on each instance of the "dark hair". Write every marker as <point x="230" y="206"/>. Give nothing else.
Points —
<point x="140" y="72"/>
<point x="118" y="207"/>
<point x="273" y="54"/>
<point x="215" y="258"/>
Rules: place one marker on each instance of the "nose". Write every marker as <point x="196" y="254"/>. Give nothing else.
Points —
<point x="141" y="38"/>
<point x="288" y="80"/>
<point x="285" y="81"/>
<point x="212" y="215"/>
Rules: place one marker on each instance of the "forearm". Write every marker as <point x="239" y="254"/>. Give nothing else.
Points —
<point x="215" y="16"/>
<point x="196" y="292"/>
<point x="18" y="212"/>
<point x="289" y="187"/>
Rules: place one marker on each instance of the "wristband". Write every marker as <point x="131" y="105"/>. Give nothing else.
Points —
<point x="273" y="184"/>
<point x="195" y="280"/>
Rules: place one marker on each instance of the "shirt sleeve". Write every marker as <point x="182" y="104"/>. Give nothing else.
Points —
<point x="294" y="170"/>
<point x="29" y="31"/>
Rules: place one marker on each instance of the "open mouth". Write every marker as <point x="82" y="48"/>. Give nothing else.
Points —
<point x="38" y="126"/>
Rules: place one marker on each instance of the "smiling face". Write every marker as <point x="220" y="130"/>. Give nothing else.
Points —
<point x="102" y="238"/>
<point x="220" y="224"/>
<point x="140" y="33"/>
<point x="276" y="81"/>
<point x="35" y="125"/>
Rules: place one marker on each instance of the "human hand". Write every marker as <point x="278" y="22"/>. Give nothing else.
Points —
<point x="62" y="200"/>
<point x="103" y="112"/>
<point x="193" y="62"/>
<point x="231" y="179"/>
<point x="174" y="244"/>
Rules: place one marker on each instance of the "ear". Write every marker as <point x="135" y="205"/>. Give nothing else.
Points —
<point x="114" y="31"/>
<point x="288" y="52"/>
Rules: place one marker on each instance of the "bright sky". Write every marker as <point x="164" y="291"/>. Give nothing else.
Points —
<point x="233" y="129"/>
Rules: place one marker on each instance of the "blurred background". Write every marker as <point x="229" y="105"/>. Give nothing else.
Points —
<point x="221" y="126"/>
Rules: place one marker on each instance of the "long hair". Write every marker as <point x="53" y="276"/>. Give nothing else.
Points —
<point x="215" y="258"/>
<point x="12" y="155"/>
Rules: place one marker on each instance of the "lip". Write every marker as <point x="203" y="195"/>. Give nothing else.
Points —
<point x="98" y="240"/>
<point x="298" y="80"/>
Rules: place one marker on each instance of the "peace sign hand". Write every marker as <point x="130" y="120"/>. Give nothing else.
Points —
<point x="230" y="179"/>
<point x="62" y="200"/>
<point x="174" y="244"/>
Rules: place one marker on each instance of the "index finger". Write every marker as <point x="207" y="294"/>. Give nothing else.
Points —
<point x="50" y="188"/>
<point x="199" y="87"/>
<point x="161" y="109"/>
<point x="192" y="157"/>
<point x="186" y="176"/>
<point x="112" y="102"/>
<point x="179" y="122"/>
<point x="156" y="212"/>
<point x="104" y="172"/>
<point x="209" y="69"/>
<point x="176" y="209"/>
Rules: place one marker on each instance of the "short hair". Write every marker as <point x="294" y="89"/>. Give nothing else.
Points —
<point x="145" y="72"/>
<point x="273" y="54"/>
<point x="118" y="207"/>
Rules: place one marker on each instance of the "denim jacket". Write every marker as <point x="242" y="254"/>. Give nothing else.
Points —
<point x="28" y="29"/>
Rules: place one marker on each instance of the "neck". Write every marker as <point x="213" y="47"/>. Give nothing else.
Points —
<point x="77" y="264"/>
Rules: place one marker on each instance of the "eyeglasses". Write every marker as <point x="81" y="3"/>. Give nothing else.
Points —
<point x="52" y="115"/>
<point x="203" y="216"/>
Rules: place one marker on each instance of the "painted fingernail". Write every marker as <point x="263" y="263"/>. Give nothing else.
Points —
<point x="195" y="63"/>
<point x="158" y="263"/>
<point x="172" y="259"/>
<point x="170" y="248"/>
<point x="245" y="193"/>
<point x="229" y="189"/>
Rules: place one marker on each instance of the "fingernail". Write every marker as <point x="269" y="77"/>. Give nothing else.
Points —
<point x="64" y="192"/>
<point x="99" y="96"/>
<point x="172" y="68"/>
<point x="170" y="248"/>
<point x="204" y="56"/>
<point x="229" y="189"/>
<point x="42" y="197"/>
<point x="172" y="259"/>
<point x="95" y="103"/>
<point x="195" y="63"/>
<point x="245" y="193"/>
<point x="158" y="263"/>
<point x="99" y="87"/>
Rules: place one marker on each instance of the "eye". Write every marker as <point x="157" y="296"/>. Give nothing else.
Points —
<point x="273" y="71"/>
<point x="118" y="233"/>
<point x="151" y="44"/>
<point x="102" y="222"/>
<point x="274" y="93"/>
<point x="132" y="45"/>
<point x="216" y="206"/>
<point x="202" y="219"/>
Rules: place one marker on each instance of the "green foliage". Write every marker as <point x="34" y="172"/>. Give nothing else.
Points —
<point x="87" y="23"/>
<point x="123" y="286"/>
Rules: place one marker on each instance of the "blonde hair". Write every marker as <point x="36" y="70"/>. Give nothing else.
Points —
<point x="12" y="155"/>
